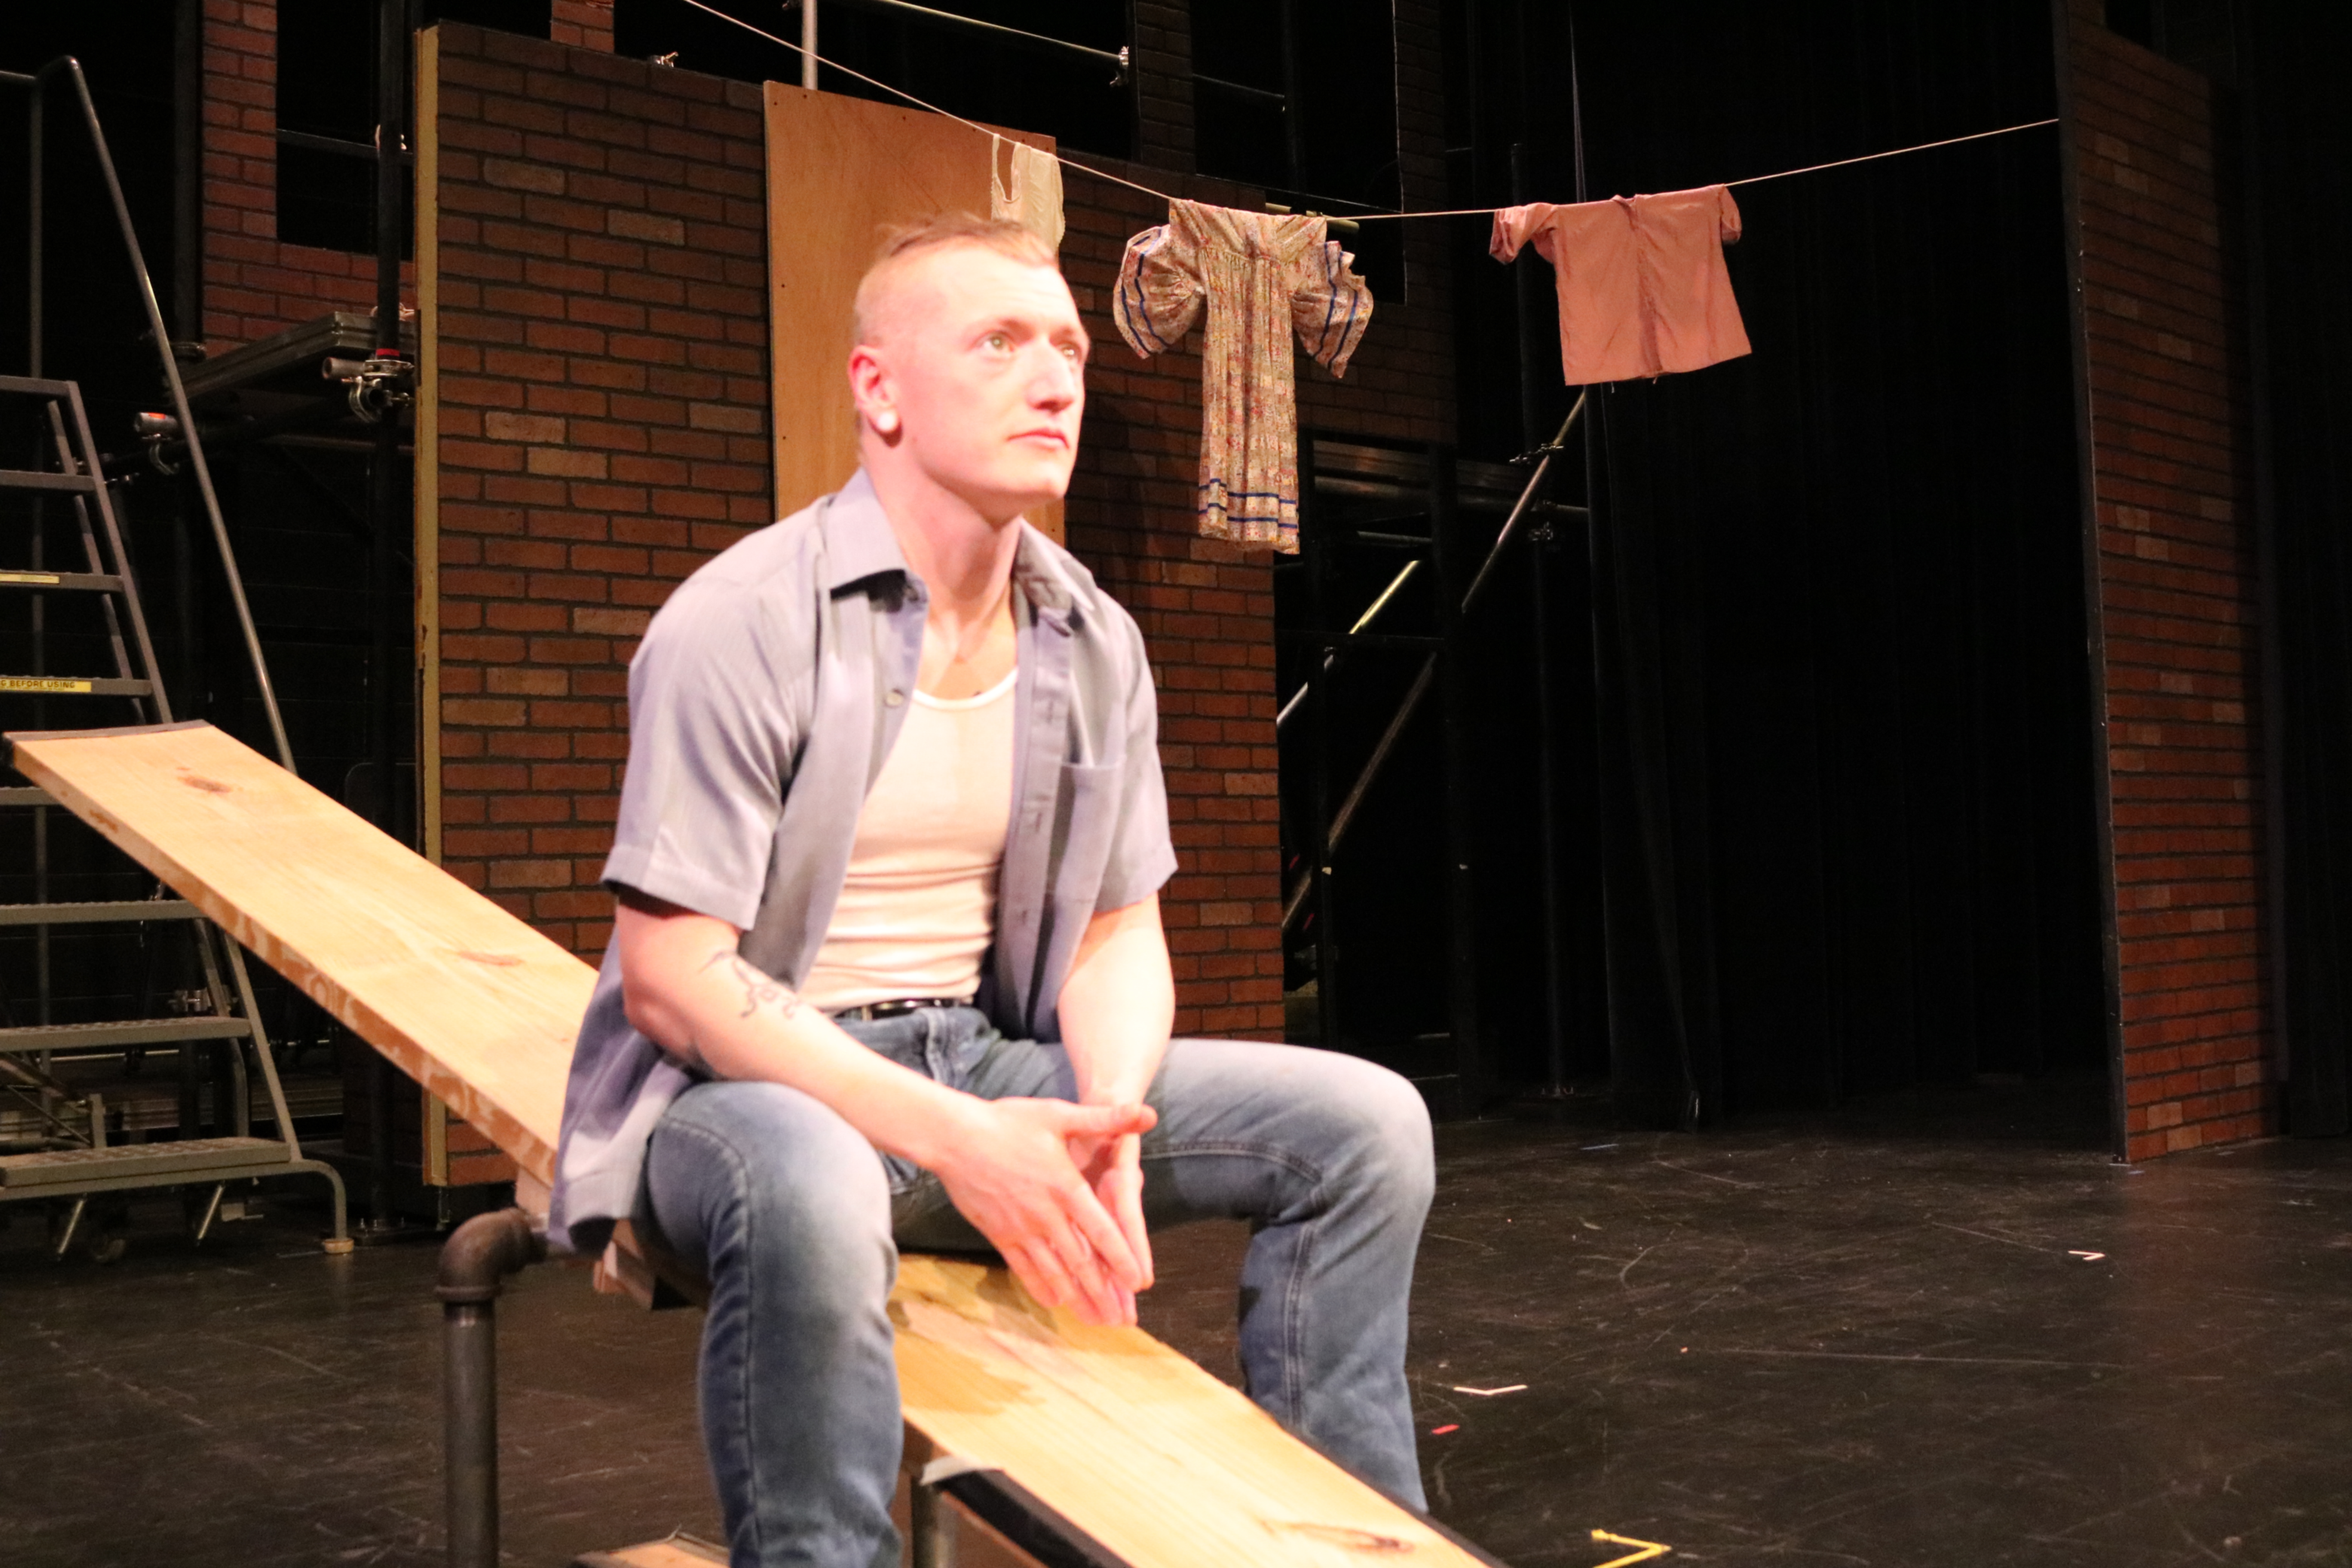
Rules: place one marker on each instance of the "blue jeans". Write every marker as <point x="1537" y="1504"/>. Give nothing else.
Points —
<point x="796" y="1220"/>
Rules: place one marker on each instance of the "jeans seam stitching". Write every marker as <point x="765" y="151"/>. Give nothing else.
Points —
<point x="1293" y="1287"/>
<point x="1266" y="1151"/>
<point x="740" y="1169"/>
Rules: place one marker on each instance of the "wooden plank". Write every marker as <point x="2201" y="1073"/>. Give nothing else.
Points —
<point x="1130" y="1442"/>
<point x="671" y="1552"/>
<point x="465" y="998"/>
<point x="840" y="172"/>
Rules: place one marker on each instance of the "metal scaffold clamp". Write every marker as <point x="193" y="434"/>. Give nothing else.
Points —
<point x="153" y="430"/>
<point x="380" y="384"/>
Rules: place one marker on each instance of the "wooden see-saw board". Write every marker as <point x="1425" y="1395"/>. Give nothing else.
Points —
<point x="1157" y="1460"/>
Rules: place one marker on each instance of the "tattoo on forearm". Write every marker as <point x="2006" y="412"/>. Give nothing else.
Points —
<point x="758" y="990"/>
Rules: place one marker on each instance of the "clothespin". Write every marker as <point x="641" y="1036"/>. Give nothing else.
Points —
<point x="1336" y="224"/>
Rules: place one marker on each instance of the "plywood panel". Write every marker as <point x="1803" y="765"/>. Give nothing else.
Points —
<point x="1126" y="1439"/>
<point x="841" y="171"/>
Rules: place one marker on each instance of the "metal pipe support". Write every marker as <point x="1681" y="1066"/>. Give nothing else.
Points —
<point x="474" y="1263"/>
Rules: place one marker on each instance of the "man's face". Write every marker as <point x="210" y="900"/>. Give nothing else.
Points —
<point x="982" y="360"/>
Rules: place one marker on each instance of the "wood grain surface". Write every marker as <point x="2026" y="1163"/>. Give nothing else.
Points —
<point x="1129" y="1440"/>
<point x="841" y="172"/>
<point x="464" y="997"/>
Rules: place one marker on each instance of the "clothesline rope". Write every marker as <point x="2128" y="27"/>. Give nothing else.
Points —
<point x="1357" y="216"/>
<point x="910" y="98"/>
<point x="1897" y="153"/>
<point x="1759" y="179"/>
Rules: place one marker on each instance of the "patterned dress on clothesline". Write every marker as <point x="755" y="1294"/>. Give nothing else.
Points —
<point x="1263" y="275"/>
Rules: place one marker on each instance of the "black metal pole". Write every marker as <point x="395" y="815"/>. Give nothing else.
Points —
<point x="1293" y="123"/>
<point x="469" y="1342"/>
<point x="1539" y="614"/>
<point x="37" y="114"/>
<point x="1319" y="846"/>
<point x="35" y="245"/>
<point x="71" y="67"/>
<point x="187" y="171"/>
<point x="1461" y="887"/>
<point x="384" y="516"/>
<point x="475" y="1261"/>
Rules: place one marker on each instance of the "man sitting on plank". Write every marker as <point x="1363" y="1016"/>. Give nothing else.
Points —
<point x="888" y="969"/>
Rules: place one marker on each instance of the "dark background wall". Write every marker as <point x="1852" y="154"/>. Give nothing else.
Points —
<point x="2296" y="129"/>
<point x="1832" y="832"/>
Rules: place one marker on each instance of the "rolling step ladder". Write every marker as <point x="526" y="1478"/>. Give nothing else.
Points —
<point x="80" y="1162"/>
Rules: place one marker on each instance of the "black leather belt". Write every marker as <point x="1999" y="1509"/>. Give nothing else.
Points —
<point x="897" y="1007"/>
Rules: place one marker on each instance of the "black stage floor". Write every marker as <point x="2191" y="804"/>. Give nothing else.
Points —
<point x="1945" y="1330"/>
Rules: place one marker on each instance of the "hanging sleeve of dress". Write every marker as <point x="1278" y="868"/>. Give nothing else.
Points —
<point x="1643" y="287"/>
<point x="1262" y="278"/>
<point x="1031" y="194"/>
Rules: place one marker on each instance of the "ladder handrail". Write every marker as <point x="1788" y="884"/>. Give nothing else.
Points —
<point x="37" y="84"/>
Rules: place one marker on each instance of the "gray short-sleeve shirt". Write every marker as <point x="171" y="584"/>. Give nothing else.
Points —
<point x="762" y="702"/>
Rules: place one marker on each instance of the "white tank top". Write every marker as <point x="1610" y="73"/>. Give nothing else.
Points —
<point x="919" y="909"/>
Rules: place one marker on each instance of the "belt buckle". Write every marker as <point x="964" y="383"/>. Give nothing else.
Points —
<point x="895" y="1007"/>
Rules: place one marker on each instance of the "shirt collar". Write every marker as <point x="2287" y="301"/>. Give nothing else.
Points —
<point x="859" y="545"/>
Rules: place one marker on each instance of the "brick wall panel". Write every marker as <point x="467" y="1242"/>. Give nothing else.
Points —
<point x="2178" y="599"/>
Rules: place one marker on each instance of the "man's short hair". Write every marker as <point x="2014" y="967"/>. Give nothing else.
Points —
<point x="905" y="241"/>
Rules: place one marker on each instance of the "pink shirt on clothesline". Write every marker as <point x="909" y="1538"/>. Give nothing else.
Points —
<point x="1642" y="290"/>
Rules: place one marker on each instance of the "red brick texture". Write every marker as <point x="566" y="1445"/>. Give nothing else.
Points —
<point x="2176" y="597"/>
<point x="1163" y="76"/>
<point x="254" y="284"/>
<point x="603" y="405"/>
<point x="584" y="24"/>
<point x="603" y="336"/>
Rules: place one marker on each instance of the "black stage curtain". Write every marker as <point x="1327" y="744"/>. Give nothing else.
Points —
<point x="1844" y="742"/>
<point x="2298" y="143"/>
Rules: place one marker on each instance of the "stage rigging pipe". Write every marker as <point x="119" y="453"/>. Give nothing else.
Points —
<point x="1544" y="455"/>
<point x="1117" y="61"/>
<point x="1363" y="623"/>
<point x="37" y="608"/>
<point x="1296" y="898"/>
<point x="384" y="516"/>
<point x="1458" y="766"/>
<point x="1539" y="612"/>
<point x="68" y="66"/>
<point x="475" y="1262"/>
<point x="187" y="169"/>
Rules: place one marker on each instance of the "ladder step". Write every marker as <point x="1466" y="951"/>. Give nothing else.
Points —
<point x="198" y="1159"/>
<point x="99" y="913"/>
<point x="115" y="1037"/>
<point x="77" y="686"/>
<point x="35" y="386"/>
<point x="32" y="479"/>
<point x="69" y="581"/>
<point x="22" y="794"/>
